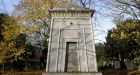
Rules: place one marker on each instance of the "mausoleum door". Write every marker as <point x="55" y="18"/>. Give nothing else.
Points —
<point x="71" y="64"/>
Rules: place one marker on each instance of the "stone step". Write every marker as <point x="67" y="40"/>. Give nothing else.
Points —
<point x="71" y="73"/>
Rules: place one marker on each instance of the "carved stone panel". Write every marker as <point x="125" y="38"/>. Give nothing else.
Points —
<point x="71" y="64"/>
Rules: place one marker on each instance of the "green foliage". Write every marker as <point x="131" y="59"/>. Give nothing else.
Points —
<point x="103" y="61"/>
<point x="34" y="15"/>
<point x="123" y="42"/>
<point x="31" y="18"/>
<point x="2" y="20"/>
<point x="13" y="43"/>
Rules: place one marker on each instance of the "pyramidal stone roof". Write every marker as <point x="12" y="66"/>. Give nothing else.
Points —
<point x="71" y="7"/>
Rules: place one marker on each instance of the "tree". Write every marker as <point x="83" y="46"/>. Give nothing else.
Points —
<point x="36" y="18"/>
<point x="15" y="48"/>
<point x="29" y="51"/>
<point x="123" y="42"/>
<point x="85" y="3"/>
<point x="100" y="51"/>
<point x="2" y="6"/>
<point x="125" y="8"/>
<point x="10" y="31"/>
<point x="103" y="61"/>
<point x="2" y="20"/>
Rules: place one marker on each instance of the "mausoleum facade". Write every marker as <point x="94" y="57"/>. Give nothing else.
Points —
<point x="71" y="42"/>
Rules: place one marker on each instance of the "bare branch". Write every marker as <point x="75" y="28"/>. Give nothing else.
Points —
<point x="3" y="5"/>
<point x="128" y="4"/>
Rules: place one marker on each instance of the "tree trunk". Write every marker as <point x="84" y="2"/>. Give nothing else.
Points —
<point x="122" y="64"/>
<point x="3" y="67"/>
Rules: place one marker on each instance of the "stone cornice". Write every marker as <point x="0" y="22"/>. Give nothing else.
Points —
<point x="71" y="14"/>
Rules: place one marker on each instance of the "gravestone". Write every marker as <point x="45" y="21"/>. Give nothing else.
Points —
<point x="117" y="65"/>
<point x="71" y="44"/>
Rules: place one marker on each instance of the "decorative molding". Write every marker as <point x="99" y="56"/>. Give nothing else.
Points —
<point x="71" y="14"/>
<point x="49" y="48"/>
<point x="85" y="49"/>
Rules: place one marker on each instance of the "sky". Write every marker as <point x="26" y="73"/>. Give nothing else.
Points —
<point x="100" y="29"/>
<point x="8" y="4"/>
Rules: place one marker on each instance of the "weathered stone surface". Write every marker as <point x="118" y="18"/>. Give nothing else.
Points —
<point x="90" y="73"/>
<point x="71" y="27"/>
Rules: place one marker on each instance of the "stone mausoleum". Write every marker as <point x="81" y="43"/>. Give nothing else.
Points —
<point x="71" y="43"/>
